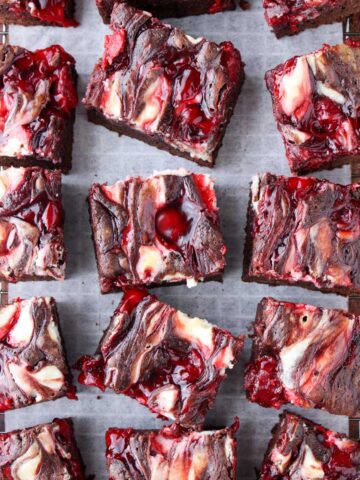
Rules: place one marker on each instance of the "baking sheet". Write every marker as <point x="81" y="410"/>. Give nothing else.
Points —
<point x="251" y="145"/>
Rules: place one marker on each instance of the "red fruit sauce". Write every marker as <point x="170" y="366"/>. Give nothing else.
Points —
<point x="54" y="11"/>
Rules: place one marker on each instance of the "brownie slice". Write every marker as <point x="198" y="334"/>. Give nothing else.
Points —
<point x="58" y="13"/>
<point x="31" y="225"/>
<point x="301" y="449"/>
<point x="303" y="231"/>
<point x="163" y="229"/>
<point x="166" y="88"/>
<point x="316" y="103"/>
<point x="169" y="362"/>
<point x="172" y="452"/>
<point x="33" y="367"/>
<point x="305" y="355"/>
<point x="37" y="107"/>
<point x="288" y="17"/>
<point x="168" y="8"/>
<point x="46" y="451"/>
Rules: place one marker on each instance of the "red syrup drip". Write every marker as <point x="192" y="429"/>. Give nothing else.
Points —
<point x="6" y="403"/>
<point x="53" y="12"/>
<point x="91" y="371"/>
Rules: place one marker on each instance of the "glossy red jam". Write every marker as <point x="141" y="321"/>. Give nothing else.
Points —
<point x="50" y="11"/>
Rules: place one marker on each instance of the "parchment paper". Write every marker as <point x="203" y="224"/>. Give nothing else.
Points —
<point x="252" y="144"/>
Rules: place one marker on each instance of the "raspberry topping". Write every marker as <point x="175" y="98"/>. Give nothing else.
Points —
<point x="52" y="11"/>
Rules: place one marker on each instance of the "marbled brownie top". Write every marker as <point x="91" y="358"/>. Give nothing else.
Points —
<point x="173" y="452"/>
<point x="304" y="230"/>
<point x="168" y="361"/>
<point x="162" y="82"/>
<point x="305" y="355"/>
<point x="33" y="367"/>
<point x="31" y="225"/>
<point x="160" y="229"/>
<point x="50" y="11"/>
<point x="316" y="101"/>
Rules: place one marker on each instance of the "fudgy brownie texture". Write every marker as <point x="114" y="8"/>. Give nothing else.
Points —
<point x="37" y="107"/>
<point x="31" y="225"/>
<point x="301" y="449"/>
<point x="158" y="230"/>
<point x="288" y="17"/>
<point x="45" y="452"/>
<point x="166" y="88"/>
<point x="172" y="452"/>
<point x="305" y="355"/>
<point x="303" y="231"/>
<point x="316" y="103"/>
<point x="168" y="8"/>
<point x="169" y="362"/>
<point x="58" y="13"/>
<point x="32" y="357"/>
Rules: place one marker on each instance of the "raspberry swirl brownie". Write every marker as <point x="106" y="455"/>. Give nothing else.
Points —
<point x="45" y="452"/>
<point x="316" y="103"/>
<point x="31" y="225"/>
<point x="168" y="8"/>
<point x="174" y="363"/>
<point x="32" y="357"/>
<point x="37" y="107"/>
<point x="58" y="13"/>
<point x="156" y="84"/>
<point x="305" y="355"/>
<point x="158" y="230"/>
<point x="301" y="449"/>
<point x="303" y="231"/>
<point x="172" y="452"/>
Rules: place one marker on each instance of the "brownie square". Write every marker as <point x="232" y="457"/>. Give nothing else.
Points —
<point x="305" y="355"/>
<point x="32" y="356"/>
<point x="169" y="362"/>
<point x="31" y="225"/>
<point x="46" y="451"/>
<point x="303" y="449"/>
<point x="159" y="85"/>
<point x="172" y="452"/>
<point x="303" y="231"/>
<point x="163" y="229"/>
<point x="58" y="13"/>
<point x="288" y="17"/>
<point x="316" y="103"/>
<point x="37" y="99"/>
<point x="168" y="8"/>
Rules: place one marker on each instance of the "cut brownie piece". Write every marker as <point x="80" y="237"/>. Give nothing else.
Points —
<point x="172" y="452"/>
<point x="157" y="230"/>
<point x="288" y="17"/>
<point x="168" y="8"/>
<point x="167" y="361"/>
<point x="31" y="225"/>
<point x="32" y="356"/>
<point x="301" y="449"/>
<point x="316" y="102"/>
<point x="58" y="13"/>
<point x="305" y="355"/>
<point x="303" y="231"/>
<point x="46" y="451"/>
<point x="161" y="86"/>
<point x="37" y="107"/>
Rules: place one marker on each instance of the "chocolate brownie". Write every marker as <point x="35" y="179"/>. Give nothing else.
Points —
<point x="301" y="449"/>
<point x="58" y="13"/>
<point x="31" y="225"/>
<point x="158" y="230"/>
<point x="37" y="107"/>
<point x="46" y="451"/>
<point x="288" y="17"/>
<point x="316" y="102"/>
<point x="168" y="8"/>
<point x="172" y="452"/>
<point x="169" y="362"/>
<point x="303" y="231"/>
<point x="33" y="366"/>
<point x="305" y="355"/>
<point x="166" y="88"/>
